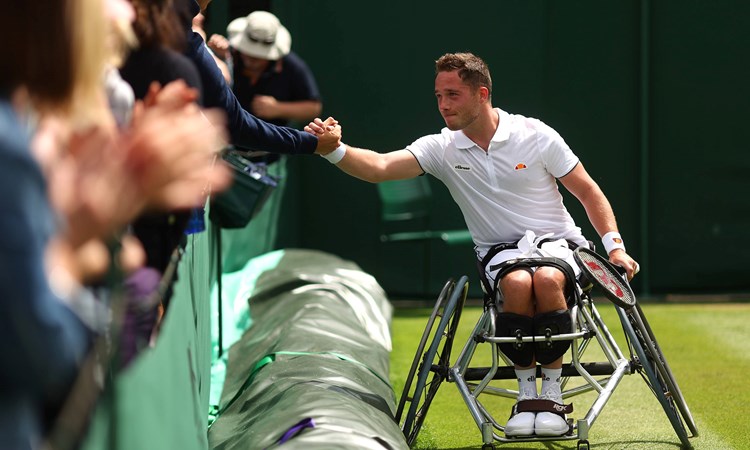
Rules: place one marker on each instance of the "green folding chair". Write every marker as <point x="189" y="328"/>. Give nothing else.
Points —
<point x="405" y="216"/>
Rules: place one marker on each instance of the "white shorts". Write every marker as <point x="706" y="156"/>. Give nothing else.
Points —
<point x="529" y="248"/>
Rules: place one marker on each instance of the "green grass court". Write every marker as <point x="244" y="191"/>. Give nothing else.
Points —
<point x="705" y="344"/>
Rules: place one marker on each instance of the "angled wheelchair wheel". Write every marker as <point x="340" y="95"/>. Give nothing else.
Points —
<point x="430" y="367"/>
<point x="657" y="374"/>
<point x="437" y="312"/>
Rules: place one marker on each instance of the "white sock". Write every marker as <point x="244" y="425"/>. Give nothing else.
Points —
<point x="551" y="377"/>
<point x="527" y="381"/>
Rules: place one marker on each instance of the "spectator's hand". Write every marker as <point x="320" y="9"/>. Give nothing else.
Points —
<point x="89" y="188"/>
<point x="176" y="94"/>
<point x="265" y="107"/>
<point x="173" y="154"/>
<point x="48" y="142"/>
<point x="219" y="45"/>
<point x="317" y="126"/>
<point x="165" y="160"/>
<point x="132" y="255"/>
<point x="618" y="257"/>
<point x="328" y="132"/>
<point x="173" y="146"/>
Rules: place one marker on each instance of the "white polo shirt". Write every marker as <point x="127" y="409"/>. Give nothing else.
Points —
<point x="510" y="188"/>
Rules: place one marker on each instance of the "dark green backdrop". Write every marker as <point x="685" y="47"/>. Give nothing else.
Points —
<point x="652" y="96"/>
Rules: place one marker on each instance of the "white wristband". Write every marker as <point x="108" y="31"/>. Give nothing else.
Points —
<point x="337" y="155"/>
<point x="612" y="241"/>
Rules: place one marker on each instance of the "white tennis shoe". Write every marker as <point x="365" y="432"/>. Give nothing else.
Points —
<point x="521" y="424"/>
<point x="547" y="423"/>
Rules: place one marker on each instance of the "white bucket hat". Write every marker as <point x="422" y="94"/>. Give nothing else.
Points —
<point x="260" y="35"/>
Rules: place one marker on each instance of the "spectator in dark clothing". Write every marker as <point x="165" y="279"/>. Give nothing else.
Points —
<point x="270" y="80"/>
<point x="158" y="26"/>
<point x="158" y="58"/>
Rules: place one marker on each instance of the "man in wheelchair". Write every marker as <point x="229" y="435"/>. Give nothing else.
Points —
<point x="532" y="282"/>
<point x="502" y="170"/>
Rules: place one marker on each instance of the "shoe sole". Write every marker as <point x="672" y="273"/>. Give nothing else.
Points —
<point x="520" y="435"/>
<point x="557" y="432"/>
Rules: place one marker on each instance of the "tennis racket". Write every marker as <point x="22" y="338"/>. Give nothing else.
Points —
<point x="605" y="276"/>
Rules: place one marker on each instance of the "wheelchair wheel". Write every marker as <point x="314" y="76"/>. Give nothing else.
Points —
<point x="435" y="360"/>
<point x="437" y="311"/>
<point x="656" y="372"/>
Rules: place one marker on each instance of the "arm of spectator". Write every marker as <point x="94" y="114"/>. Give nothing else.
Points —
<point x="219" y="45"/>
<point x="246" y="130"/>
<point x="267" y="107"/>
<point x="224" y="68"/>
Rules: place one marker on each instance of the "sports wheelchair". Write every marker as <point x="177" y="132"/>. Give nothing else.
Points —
<point x="432" y="364"/>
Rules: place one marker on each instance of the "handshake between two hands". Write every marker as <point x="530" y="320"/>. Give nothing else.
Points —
<point x="328" y="132"/>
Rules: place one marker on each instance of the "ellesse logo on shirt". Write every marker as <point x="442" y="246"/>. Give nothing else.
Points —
<point x="461" y="167"/>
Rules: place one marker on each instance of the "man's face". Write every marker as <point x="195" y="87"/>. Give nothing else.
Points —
<point x="253" y="64"/>
<point x="458" y="103"/>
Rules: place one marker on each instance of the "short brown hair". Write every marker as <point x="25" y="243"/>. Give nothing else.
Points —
<point x="159" y="23"/>
<point x="471" y="69"/>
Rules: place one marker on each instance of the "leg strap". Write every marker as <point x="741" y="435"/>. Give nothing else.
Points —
<point x="487" y="288"/>
<point x="538" y="405"/>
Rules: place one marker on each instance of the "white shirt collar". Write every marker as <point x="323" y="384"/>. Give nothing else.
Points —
<point x="502" y="133"/>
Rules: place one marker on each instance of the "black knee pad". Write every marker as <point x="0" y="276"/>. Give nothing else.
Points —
<point x="513" y="325"/>
<point x="551" y="324"/>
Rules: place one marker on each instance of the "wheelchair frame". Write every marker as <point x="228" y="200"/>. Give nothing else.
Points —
<point x="432" y="358"/>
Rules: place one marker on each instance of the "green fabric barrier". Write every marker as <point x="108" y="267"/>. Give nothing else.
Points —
<point x="259" y="236"/>
<point x="351" y="408"/>
<point x="236" y="288"/>
<point x="160" y="400"/>
<point x="315" y="333"/>
<point x="318" y="349"/>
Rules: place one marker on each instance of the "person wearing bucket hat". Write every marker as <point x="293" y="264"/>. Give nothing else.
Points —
<point x="269" y="79"/>
<point x="260" y="35"/>
<point x="244" y="128"/>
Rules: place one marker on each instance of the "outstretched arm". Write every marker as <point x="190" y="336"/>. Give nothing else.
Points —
<point x="269" y="108"/>
<point x="368" y="165"/>
<point x="599" y="211"/>
<point x="245" y="129"/>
